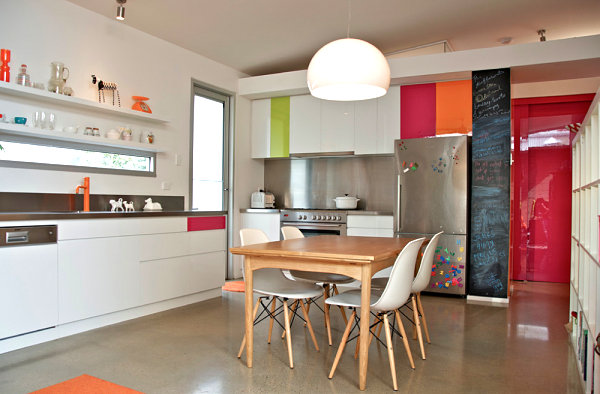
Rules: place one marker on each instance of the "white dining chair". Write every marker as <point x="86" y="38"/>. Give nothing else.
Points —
<point x="328" y="281"/>
<point x="394" y="295"/>
<point x="271" y="283"/>
<point x="419" y="284"/>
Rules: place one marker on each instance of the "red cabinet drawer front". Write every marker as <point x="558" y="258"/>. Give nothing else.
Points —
<point x="206" y="223"/>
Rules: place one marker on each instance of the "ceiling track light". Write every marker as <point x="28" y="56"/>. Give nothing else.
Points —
<point x="542" y="34"/>
<point x="121" y="10"/>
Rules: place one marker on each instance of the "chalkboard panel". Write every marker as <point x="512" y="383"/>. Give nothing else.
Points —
<point x="490" y="184"/>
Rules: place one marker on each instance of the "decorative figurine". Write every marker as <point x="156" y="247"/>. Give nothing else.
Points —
<point x="117" y="205"/>
<point x="128" y="206"/>
<point x="102" y="86"/>
<point x="152" y="206"/>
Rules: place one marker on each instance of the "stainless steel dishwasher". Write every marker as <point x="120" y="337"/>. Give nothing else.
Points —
<point x="28" y="279"/>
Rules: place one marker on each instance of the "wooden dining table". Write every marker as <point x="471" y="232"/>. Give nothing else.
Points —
<point x="357" y="257"/>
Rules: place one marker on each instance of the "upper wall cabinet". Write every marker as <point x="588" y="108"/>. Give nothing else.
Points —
<point x="377" y="123"/>
<point x="337" y="126"/>
<point x="270" y="127"/>
<point x="305" y="124"/>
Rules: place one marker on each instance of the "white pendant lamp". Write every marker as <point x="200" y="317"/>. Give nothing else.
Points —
<point x="348" y="70"/>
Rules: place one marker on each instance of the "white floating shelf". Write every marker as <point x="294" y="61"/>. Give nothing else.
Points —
<point x="42" y="95"/>
<point x="22" y="130"/>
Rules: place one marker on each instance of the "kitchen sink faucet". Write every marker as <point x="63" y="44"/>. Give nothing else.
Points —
<point x="86" y="193"/>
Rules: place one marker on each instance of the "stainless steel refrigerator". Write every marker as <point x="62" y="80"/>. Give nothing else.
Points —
<point x="432" y="195"/>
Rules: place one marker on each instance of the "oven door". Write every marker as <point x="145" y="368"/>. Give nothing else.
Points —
<point x="313" y="229"/>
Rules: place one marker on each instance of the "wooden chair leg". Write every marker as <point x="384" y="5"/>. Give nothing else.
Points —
<point x="326" y="309"/>
<point x="357" y="347"/>
<point x="244" y="339"/>
<point x="293" y="308"/>
<point x="404" y="339"/>
<point x="342" y="344"/>
<point x="288" y="332"/>
<point x="390" y="349"/>
<point x="422" y="312"/>
<point x="310" y="329"/>
<point x="417" y="324"/>
<point x="272" y="320"/>
<point x="342" y="310"/>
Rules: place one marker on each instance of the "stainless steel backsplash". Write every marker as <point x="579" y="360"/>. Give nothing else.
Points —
<point x="315" y="182"/>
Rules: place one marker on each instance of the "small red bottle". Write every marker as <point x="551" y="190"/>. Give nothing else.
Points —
<point x="4" y="68"/>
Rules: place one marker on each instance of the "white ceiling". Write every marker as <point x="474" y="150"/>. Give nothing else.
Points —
<point x="267" y="36"/>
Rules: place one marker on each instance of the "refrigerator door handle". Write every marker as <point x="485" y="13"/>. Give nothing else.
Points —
<point x="398" y="204"/>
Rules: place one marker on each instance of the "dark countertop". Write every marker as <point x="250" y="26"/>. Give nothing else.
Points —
<point x="12" y="216"/>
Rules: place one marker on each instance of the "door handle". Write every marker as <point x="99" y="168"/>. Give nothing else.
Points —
<point x="398" y="204"/>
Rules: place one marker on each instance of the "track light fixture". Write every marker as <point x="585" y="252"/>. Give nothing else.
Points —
<point x="121" y="10"/>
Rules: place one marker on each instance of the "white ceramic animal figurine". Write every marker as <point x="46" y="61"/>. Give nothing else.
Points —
<point x="128" y="206"/>
<point x="116" y="205"/>
<point x="152" y="206"/>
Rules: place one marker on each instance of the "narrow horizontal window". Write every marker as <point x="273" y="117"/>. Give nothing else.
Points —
<point x="75" y="157"/>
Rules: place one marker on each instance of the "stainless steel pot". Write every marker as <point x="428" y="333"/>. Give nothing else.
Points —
<point x="346" y="202"/>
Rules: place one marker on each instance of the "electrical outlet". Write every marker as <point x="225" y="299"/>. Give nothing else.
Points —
<point x="165" y="185"/>
<point x="177" y="159"/>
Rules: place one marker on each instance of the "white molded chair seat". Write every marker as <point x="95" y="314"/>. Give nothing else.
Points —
<point x="271" y="282"/>
<point x="325" y="278"/>
<point x="394" y="295"/>
<point x="418" y="285"/>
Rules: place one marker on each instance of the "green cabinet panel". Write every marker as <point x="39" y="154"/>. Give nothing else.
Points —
<point x="280" y="127"/>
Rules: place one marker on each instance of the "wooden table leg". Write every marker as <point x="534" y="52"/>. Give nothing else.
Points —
<point x="248" y="279"/>
<point x="365" y="306"/>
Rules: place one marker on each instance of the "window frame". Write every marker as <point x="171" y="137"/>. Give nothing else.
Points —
<point x="204" y="90"/>
<point x="80" y="146"/>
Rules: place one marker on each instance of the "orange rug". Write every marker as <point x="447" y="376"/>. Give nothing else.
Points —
<point x="236" y="285"/>
<point x="85" y="384"/>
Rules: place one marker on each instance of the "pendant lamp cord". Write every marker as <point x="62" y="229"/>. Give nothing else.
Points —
<point x="349" y="17"/>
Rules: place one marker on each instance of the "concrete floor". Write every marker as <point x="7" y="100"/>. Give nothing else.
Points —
<point x="474" y="349"/>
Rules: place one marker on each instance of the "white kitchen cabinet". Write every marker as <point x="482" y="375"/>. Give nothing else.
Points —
<point x="261" y="128"/>
<point x="305" y="124"/>
<point x="370" y="225"/>
<point x="337" y="126"/>
<point x="267" y="222"/>
<point x="378" y="123"/>
<point x="365" y="127"/>
<point x="97" y="276"/>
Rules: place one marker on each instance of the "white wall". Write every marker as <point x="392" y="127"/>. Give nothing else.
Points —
<point x="40" y="31"/>
<point x="555" y="88"/>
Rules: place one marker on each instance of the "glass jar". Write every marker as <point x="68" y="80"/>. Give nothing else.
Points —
<point x="23" y="77"/>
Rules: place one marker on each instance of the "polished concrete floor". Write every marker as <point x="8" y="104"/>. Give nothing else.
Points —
<point x="475" y="349"/>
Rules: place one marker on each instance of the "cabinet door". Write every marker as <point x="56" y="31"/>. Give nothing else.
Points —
<point x="261" y="128"/>
<point x="97" y="276"/>
<point x="365" y="127"/>
<point x="305" y="122"/>
<point x="337" y="126"/>
<point x="267" y="222"/>
<point x="388" y="120"/>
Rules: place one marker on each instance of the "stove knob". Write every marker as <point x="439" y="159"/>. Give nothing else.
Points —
<point x="328" y="217"/>
<point x="319" y="217"/>
<point x="304" y="217"/>
<point x="339" y="218"/>
<point x="313" y="217"/>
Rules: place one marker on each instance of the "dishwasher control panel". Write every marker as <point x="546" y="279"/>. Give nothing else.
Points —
<point x="27" y="235"/>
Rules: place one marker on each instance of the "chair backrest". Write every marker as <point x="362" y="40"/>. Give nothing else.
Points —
<point x="291" y="232"/>
<point x="398" y="287"/>
<point x="265" y="276"/>
<point x="250" y="236"/>
<point x="424" y="275"/>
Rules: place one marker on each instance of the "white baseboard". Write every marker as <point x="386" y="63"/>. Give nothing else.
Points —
<point x="64" y="330"/>
<point x="493" y="301"/>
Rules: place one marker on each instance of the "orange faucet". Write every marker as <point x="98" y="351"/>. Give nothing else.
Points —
<point x="86" y="193"/>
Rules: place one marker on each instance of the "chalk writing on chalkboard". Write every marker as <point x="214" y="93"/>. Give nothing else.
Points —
<point x="490" y="191"/>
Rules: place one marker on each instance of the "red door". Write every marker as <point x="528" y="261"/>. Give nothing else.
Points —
<point x="541" y="223"/>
